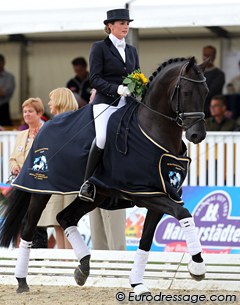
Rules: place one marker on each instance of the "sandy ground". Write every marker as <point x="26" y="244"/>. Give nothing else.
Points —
<point x="65" y="295"/>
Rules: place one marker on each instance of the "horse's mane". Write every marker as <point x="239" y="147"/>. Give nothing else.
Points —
<point x="160" y="68"/>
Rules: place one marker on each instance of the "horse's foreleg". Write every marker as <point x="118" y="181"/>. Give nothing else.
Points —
<point x="36" y="206"/>
<point x="196" y="266"/>
<point x="68" y="220"/>
<point x="142" y="253"/>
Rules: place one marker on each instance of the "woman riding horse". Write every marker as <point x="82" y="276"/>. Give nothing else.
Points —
<point x="147" y="143"/>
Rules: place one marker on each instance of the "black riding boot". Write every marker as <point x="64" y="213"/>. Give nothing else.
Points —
<point x="88" y="190"/>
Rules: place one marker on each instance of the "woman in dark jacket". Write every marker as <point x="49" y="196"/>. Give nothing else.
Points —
<point x="110" y="60"/>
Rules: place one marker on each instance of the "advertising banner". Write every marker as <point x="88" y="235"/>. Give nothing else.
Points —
<point x="216" y="212"/>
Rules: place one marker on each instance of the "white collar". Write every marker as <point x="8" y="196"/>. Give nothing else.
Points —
<point x="117" y="41"/>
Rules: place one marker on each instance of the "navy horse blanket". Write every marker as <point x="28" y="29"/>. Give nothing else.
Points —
<point x="133" y="163"/>
<point x="57" y="159"/>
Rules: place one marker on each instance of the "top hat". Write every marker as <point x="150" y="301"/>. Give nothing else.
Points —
<point x="118" y="14"/>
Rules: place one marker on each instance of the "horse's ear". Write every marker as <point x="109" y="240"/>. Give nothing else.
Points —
<point x="190" y="64"/>
<point x="203" y="65"/>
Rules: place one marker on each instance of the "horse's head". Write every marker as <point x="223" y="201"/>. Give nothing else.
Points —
<point x="177" y="92"/>
<point x="188" y="98"/>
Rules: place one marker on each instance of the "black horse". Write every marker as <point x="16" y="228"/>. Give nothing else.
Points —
<point x="144" y="164"/>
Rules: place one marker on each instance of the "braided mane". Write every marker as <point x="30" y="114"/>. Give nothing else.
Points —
<point x="162" y="66"/>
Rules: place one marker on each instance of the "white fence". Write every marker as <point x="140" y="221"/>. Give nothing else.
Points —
<point x="7" y="141"/>
<point x="215" y="161"/>
<point x="167" y="270"/>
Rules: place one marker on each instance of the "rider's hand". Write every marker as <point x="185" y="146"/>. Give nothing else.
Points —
<point x="123" y="90"/>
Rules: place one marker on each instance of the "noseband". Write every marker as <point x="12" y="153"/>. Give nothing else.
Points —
<point x="181" y="116"/>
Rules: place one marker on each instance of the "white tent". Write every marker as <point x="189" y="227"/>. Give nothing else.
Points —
<point x="43" y="16"/>
<point x="44" y="35"/>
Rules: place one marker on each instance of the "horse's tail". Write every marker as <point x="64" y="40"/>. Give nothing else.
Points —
<point x="12" y="213"/>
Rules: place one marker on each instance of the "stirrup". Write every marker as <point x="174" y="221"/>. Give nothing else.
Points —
<point x="87" y="194"/>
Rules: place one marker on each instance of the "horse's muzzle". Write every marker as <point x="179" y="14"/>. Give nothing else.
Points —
<point x="197" y="132"/>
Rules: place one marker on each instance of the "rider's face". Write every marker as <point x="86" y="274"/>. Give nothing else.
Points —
<point x="119" y="28"/>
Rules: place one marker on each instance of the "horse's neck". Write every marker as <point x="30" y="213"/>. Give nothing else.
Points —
<point x="165" y="132"/>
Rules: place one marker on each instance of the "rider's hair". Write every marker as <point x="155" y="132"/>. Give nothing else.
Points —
<point x="107" y="29"/>
<point x="36" y="103"/>
<point x="64" y="100"/>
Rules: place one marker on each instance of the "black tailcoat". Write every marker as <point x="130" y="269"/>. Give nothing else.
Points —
<point x="107" y="69"/>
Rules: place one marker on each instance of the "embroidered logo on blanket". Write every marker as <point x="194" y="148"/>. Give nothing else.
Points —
<point x="174" y="179"/>
<point x="173" y="171"/>
<point x="39" y="166"/>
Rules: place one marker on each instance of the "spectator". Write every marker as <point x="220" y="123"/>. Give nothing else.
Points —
<point x="214" y="76"/>
<point x="7" y="86"/>
<point x="108" y="229"/>
<point x="32" y="111"/>
<point x="218" y="121"/>
<point x="61" y="100"/>
<point x="80" y="85"/>
<point x="234" y="86"/>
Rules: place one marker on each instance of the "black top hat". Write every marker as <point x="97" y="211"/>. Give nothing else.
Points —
<point x="118" y="14"/>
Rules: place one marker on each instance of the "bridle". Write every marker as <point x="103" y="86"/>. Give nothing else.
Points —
<point x="182" y="116"/>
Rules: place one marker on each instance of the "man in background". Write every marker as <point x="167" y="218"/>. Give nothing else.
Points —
<point x="80" y="85"/>
<point x="215" y="77"/>
<point x="218" y="120"/>
<point x="7" y="86"/>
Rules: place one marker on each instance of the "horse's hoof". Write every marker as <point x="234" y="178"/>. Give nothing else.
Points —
<point x="197" y="270"/>
<point x="141" y="290"/>
<point x="22" y="285"/>
<point x="80" y="276"/>
<point x="23" y="288"/>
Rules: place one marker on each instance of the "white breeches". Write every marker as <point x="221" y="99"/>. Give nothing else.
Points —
<point x="102" y="113"/>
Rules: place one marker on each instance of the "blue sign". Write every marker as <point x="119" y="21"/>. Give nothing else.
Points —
<point x="216" y="214"/>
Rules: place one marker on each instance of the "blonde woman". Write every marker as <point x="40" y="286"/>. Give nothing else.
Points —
<point x="61" y="100"/>
<point x="110" y="59"/>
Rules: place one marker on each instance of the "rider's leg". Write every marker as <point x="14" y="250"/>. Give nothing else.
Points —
<point x="36" y="206"/>
<point x="88" y="190"/>
<point x="101" y="113"/>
